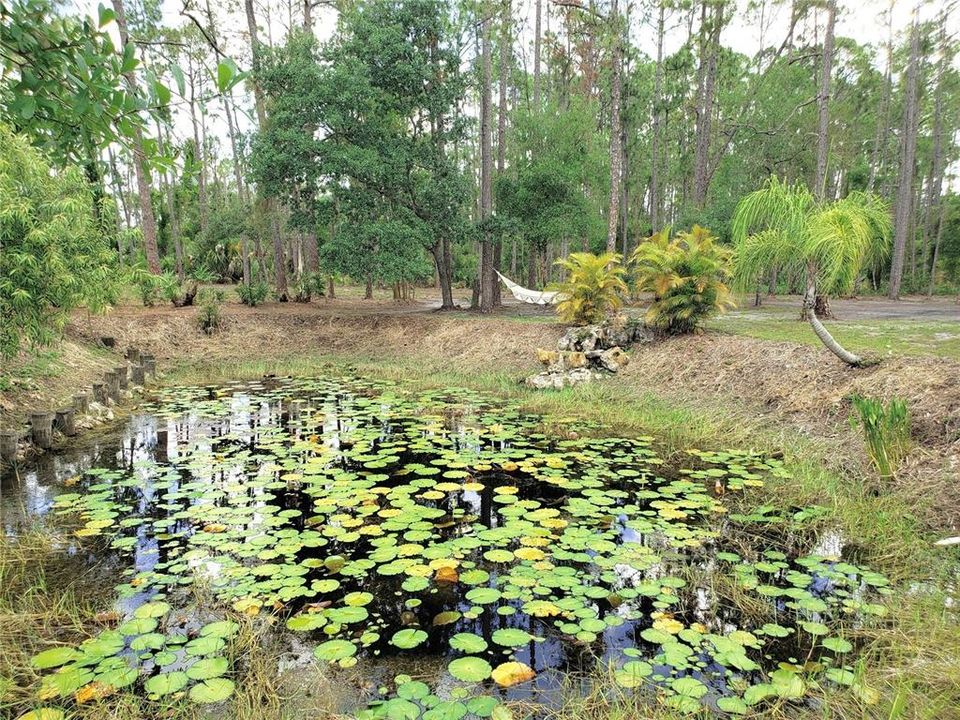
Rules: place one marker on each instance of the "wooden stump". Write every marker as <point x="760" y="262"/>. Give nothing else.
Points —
<point x="149" y="365"/>
<point x="100" y="392"/>
<point x="8" y="445"/>
<point x="41" y="429"/>
<point x="64" y="422"/>
<point x="122" y="376"/>
<point x="137" y="376"/>
<point x="112" y="381"/>
<point x="81" y="403"/>
<point x="133" y="355"/>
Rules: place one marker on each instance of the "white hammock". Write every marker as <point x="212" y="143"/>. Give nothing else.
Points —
<point x="534" y="297"/>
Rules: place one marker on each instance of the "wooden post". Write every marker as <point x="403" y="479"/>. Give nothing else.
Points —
<point x="133" y="355"/>
<point x="112" y="381"/>
<point x="122" y="376"/>
<point x="81" y="403"/>
<point x="149" y="365"/>
<point x="137" y="376"/>
<point x="100" y="393"/>
<point x="41" y="429"/>
<point x="64" y="422"/>
<point x="8" y="445"/>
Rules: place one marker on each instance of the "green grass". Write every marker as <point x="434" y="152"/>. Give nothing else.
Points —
<point x="880" y="337"/>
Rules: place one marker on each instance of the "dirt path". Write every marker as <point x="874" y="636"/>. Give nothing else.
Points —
<point x="937" y="309"/>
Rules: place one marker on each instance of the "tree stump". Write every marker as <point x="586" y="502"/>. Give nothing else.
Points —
<point x="100" y="393"/>
<point x="149" y="365"/>
<point x="8" y="445"/>
<point x="112" y="381"/>
<point x="41" y="429"/>
<point x="133" y="355"/>
<point x="64" y="422"/>
<point x="81" y="403"/>
<point x="137" y="376"/>
<point x="122" y="376"/>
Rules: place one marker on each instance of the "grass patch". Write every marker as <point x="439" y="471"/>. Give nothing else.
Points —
<point x="881" y="337"/>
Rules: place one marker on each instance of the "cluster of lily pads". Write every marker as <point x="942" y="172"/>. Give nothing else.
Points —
<point x="377" y="522"/>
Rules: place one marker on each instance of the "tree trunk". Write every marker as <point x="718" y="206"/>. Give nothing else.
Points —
<point x="935" y="181"/>
<point x="147" y="219"/>
<point x="936" y="249"/>
<point x="536" y="57"/>
<point x="809" y="303"/>
<point x="878" y="155"/>
<point x="505" y="46"/>
<point x="708" y="73"/>
<point x="279" y="261"/>
<point x="199" y="155"/>
<point x="657" y="127"/>
<point x="903" y="216"/>
<point x="616" y="130"/>
<point x="487" y="276"/>
<point x="441" y="257"/>
<point x="823" y="104"/>
<point x="169" y="192"/>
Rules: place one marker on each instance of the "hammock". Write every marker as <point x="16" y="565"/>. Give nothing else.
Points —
<point x="534" y="297"/>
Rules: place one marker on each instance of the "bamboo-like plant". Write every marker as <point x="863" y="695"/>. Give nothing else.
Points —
<point x="784" y="225"/>
<point x="886" y="430"/>
<point x="592" y="289"/>
<point x="687" y="276"/>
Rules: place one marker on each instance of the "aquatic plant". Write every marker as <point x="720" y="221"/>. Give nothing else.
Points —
<point x="886" y="430"/>
<point x="374" y="522"/>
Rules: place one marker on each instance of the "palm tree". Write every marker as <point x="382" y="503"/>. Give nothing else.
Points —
<point x="593" y="287"/>
<point x="784" y="225"/>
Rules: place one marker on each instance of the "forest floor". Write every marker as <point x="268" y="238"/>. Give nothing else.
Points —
<point x="732" y="386"/>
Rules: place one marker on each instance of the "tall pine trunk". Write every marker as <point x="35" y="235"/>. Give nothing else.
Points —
<point x="487" y="276"/>
<point x="616" y="130"/>
<point x="903" y="219"/>
<point x="147" y="219"/>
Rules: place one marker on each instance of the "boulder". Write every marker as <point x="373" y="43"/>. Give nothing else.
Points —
<point x="614" y="359"/>
<point x="559" y="380"/>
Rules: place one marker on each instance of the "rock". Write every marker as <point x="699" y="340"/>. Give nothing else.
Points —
<point x="547" y="357"/>
<point x="558" y="380"/>
<point x="613" y="359"/>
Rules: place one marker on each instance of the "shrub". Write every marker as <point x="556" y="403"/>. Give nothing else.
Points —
<point x="151" y="287"/>
<point x="210" y="318"/>
<point x="253" y="294"/>
<point x="308" y="285"/>
<point x="592" y="289"/>
<point x="885" y="429"/>
<point x="687" y="275"/>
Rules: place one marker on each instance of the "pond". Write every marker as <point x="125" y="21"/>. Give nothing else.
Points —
<point x="378" y="527"/>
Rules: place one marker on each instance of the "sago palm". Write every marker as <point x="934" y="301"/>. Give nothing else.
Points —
<point x="592" y="289"/>
<point x="686" y="275"/>
<point x="831" y="242"/>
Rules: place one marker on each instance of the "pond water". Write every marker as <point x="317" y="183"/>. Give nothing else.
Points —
<point x="381" y="526"/>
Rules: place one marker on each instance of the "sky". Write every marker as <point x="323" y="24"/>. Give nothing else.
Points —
<point x="862" y="20"/>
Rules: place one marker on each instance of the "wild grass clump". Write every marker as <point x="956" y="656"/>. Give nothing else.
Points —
<point x="886" y="430"/>
<point x="210" y="319"/>
<point x="253" y="294"/>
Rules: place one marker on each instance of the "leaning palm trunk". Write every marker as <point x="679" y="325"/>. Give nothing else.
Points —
<point x="809" y="304"/>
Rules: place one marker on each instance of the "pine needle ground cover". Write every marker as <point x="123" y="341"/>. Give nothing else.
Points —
<point x="379" y="526"/>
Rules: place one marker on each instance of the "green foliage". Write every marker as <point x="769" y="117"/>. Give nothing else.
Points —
<point x="886" y="430"/>
<point x="210" y="317"/>
<point x="783" y="225"/>
<point x="592" y="289"/>
<point x="152" y="287"/>
<point x="253" y="294"/>
<point x="687" y="275"/>
<point x="308" y="286"/>
<point x="52" y="256"/>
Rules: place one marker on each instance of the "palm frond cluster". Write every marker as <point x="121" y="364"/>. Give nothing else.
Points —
<point x="593" y="288"/>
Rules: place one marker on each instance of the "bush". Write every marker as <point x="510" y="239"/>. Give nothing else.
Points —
<point x="210" y="318"/>
<point x="885" y="429"/>
<point x="151" y="287"/>
<point x="308" y="285"/>
<point x="687" y="275"/>
<point x="592" y="288"/>
<point x="54" y="257"/>
<point x="253" y="294"/>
